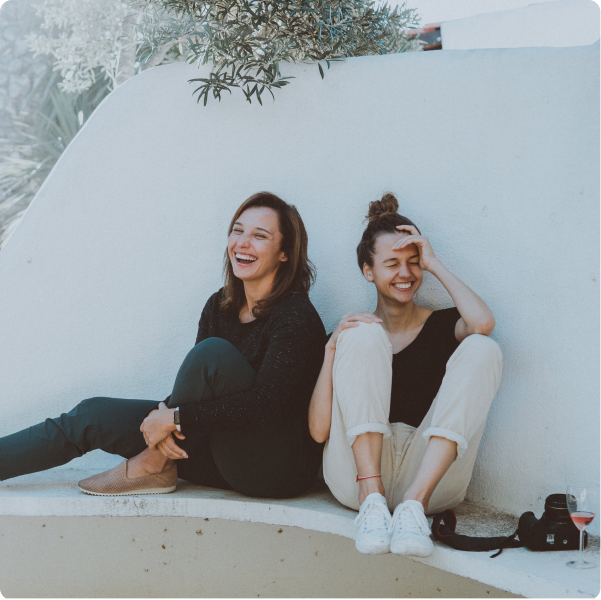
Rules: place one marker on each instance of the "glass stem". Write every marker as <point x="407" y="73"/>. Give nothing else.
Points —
<point x="581" y="552"/>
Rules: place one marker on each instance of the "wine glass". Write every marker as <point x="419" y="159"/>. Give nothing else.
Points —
<point x="582" y="503"/>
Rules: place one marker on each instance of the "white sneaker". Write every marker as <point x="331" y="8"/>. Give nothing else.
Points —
<point x="410" y="531"/>
<point x="372" y="523"/>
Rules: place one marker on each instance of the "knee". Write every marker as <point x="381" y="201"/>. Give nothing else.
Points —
<point x="212" y="347"/>
<point x="95" y="405"/>
<point x="213" y="362"/>
<point x="483" y="348"/>
<point x="88" y="413"/>
<point x="365" y="338"/>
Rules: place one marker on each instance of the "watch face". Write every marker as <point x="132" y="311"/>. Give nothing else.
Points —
<point x="176" y="417"/>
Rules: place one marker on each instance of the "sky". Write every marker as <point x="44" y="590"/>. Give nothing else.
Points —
<point x="435" y="11"/>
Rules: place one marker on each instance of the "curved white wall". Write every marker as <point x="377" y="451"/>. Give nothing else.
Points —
<point x="494" y="153"/>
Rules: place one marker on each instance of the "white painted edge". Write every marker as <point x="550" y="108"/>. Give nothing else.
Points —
<point x="279" y="513"/>
<point x="510" y="580"/>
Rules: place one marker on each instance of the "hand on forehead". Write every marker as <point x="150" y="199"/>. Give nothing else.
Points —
<point x="386" y="242"/>
<point x="405" y="232"/>
<point x="408" y="229"/>
<point x="410" y="248"/>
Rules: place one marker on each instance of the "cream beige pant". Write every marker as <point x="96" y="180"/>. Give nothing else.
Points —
<point x="362" y="379"/>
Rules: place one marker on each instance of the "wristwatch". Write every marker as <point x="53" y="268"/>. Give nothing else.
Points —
<point x="176" y="420"/>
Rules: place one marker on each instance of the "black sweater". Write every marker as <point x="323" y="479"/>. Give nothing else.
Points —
<point x="285" y="348"/>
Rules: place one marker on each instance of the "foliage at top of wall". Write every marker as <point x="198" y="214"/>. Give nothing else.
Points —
<point x="89" y="47"/>
<point x="247" y="40"/>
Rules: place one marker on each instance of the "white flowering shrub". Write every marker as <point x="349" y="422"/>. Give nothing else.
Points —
<point x="88" y="36"/>
<point x="94" y="47"/>
<point x="82" y="36"/>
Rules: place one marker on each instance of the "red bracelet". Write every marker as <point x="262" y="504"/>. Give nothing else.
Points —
<point x="368" y="477"/>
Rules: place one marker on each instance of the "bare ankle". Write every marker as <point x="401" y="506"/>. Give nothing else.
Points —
<point x="370" y="486"/>
<point x="148" y="463"/>
<point x="422" y="499"/>
<point x="157" y="468"/>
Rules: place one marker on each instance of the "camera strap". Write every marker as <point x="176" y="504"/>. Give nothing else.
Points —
<point x="443" y="530"/>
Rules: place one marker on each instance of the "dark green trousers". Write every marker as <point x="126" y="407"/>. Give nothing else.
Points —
<point x="277" y="460"/>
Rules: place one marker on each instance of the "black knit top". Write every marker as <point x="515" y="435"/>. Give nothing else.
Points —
<point x="285" y="348"/>
<point x="418" y="369"/>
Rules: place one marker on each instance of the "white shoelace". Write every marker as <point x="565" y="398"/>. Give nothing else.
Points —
<point x="374" y="514"/>
<point x="410" y="520"/>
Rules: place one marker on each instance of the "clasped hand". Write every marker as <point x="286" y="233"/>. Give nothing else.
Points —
<point x="158" y="430"/>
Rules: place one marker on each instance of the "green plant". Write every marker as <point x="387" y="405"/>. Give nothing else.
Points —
<point x="27" y="161"/>
<point x="247" y="40"/>
<point x="92" y="47"/>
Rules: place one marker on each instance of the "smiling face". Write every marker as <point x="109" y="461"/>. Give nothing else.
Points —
<point x="254" y="245"/>
<point x="395" y="273"/>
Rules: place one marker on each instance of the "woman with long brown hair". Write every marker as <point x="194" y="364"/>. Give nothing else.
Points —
<point x="236" y="418"/>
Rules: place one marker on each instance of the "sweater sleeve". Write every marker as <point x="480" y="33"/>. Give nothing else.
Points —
<point x="205" y="320"/>
<point x="280" y="390"/>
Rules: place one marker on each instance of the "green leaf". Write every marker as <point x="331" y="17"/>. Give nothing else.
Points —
<point x="246" y="40"/>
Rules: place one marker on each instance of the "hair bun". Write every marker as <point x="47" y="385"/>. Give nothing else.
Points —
<point x="380" y="209"/>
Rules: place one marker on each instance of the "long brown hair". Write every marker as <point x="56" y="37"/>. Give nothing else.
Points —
<point x="294" y="276"/>
<point x="383" y="218"/>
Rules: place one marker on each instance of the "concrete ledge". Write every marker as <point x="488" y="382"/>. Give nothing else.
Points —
<point x="519" y="571"/>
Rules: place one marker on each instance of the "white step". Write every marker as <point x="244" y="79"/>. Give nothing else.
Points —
<point x="519" y="571"/>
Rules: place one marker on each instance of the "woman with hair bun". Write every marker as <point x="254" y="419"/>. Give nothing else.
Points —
<point x="403" y="393"/>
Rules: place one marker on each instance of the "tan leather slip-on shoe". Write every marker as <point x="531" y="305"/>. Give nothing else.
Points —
<point x="115" y="482"/>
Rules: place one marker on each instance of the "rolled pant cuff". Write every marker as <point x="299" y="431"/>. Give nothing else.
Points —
<point x="351" y="434"/>
<point x="449" y="435"/>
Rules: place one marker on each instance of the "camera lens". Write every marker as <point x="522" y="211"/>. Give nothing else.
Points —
<point x="556" y="509"/>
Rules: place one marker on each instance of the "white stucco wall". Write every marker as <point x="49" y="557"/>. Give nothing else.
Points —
<point x="493" y="153"/>
<point x="560" y="23"/>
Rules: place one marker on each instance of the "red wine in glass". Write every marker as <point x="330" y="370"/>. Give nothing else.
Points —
<point x="582" y="519"/>
<point x="582" y="503"/>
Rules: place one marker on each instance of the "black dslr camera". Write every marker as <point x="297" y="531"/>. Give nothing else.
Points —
<point x="554" y="530"/>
